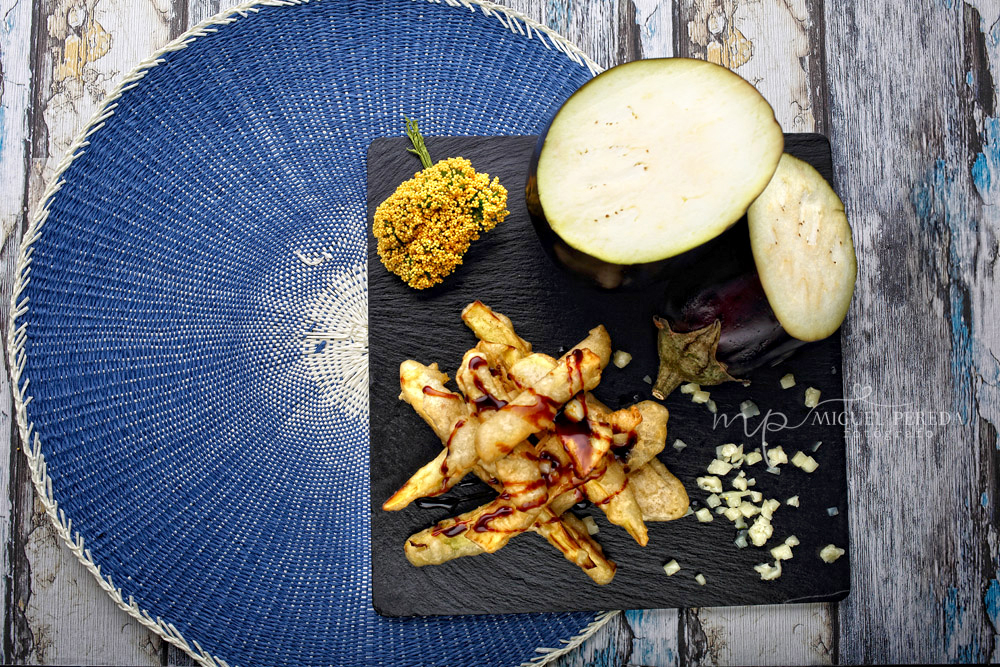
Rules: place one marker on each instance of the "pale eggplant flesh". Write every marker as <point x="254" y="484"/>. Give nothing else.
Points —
<point x="646" y="163"/>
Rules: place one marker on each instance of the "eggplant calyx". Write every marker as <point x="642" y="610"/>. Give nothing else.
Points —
<point x="689" y="357"/>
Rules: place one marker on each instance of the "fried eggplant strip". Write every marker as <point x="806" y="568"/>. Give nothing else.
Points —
<point x="534" y="408"/>
<point x="660" y="495"/>
<point x="447" y="414"/>
<point x="493" y="327"/>
<point x="608" y="488"/>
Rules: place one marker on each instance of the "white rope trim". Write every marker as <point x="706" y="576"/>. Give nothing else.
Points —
<point x="550" y="654"/>
<point x="17" y="335"/>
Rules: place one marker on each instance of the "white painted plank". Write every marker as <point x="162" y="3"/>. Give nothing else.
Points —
<point x="912" y="101"/>
<point x="15" y="100"/>
<point x="84" y="48"/>
<point x="774" y="44"/>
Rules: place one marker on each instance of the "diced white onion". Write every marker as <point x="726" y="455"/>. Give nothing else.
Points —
<point x="710" y="484"/>
<point x="756" y="496"/>
<point x="732" y="513"/>
<point x="781" y="552"/>
<point x="769" y="572"/>
<point x="591" y="525"/>
<point x="774" y="471"/>
<point x="749" y="509"/>
<point x="621" y="359"/>
<point x="812" y="397"/>
<point x="679" y="444"/>
<point x="713" y="501"/>
<point x="704" y="515"/>
<point x="830" y="553"/>
<point x="712" y="407"/>
<point x="671" y="568"/>
<point x="741" y="541"/>
<point x="741" y="523"/>
<point x="647" y="379"/>
<point x="749" y="409"/>
<point x="832" y="511"/>
<point x="816" y="445"/>
<point x="700" y="397"/>
<point x="689" y="388"/>
<point x="776" y="456"/>
<point x="753" y="457"/>
<point x="719" y="467"/>
<point x="788" y="381"/>
<point x="792" y="541"/>
<point x="740" y="483"/>
<point x="726" y="451"/>
<point x="793" y="501"/>
<point x="700" y="578"/>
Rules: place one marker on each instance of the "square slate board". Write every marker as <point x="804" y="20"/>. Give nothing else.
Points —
<point x="508" y="270"/>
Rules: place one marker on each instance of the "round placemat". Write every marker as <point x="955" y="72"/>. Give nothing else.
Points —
<point x="189" y="324"/>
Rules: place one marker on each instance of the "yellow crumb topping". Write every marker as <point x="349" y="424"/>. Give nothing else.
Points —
<point x="426" y="226"/>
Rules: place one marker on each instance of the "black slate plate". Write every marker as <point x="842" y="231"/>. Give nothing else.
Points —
<point x="509" y="271"/>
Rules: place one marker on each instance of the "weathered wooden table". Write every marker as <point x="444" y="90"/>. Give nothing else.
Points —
<point x="906" y="93"/>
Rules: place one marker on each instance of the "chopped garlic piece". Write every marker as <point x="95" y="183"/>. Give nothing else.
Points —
<point x="776" y="456"/>
<point x="700" y="578"/>
<point x="621" y="359"/>
<point x="788" y="381"/>
<point x="769" y="572"/>
<point x="591" y="525"/>
<point x="781" y="552"/>
<point x="700" y="396"/>
<point x="809" y="465"/>
<point x="760" y="532"/>
<point x="713" y="501"/>
<point x="719" y="467"/>
<point x="710" y="484"/>
<point x="689" y="388"/>
<point x="672" y="568"/>
<point x="704" y="515"/>
<point x="753" y="458"/>
<point x="830" y="553"/>
<point x="768" y="508"/>
<point x="792" y="541"/>
<point x="679" y="444"/>
<point x="812" y="397"/>
<point x="793" y="501"/>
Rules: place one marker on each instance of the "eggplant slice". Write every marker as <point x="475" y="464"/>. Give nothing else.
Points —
<point x="801" y="243"/>
<point x="655" y="157"/>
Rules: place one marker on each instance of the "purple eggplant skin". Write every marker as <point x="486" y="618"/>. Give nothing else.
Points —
<point x="725" y="286"/>
<point x="587" y="268"/>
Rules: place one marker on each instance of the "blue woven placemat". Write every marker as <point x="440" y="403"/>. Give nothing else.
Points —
<point x="189" y="329"/>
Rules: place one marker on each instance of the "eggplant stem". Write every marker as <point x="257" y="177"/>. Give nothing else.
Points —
<point x="688" y="357"/>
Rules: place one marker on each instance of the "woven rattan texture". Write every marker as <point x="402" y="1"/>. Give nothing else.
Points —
<point x="196" y="323"/>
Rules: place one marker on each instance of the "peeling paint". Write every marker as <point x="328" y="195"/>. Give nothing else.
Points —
<point x="939" y="207"/>
<point x="992" y="600"/>
<point x="713" y="28"/>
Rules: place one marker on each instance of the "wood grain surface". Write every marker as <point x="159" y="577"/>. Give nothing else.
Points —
<point x="906" y="92"/>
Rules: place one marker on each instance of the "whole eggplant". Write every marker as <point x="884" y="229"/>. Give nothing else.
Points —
<point x="715" y="321"/>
